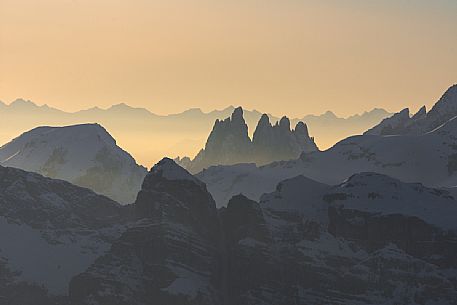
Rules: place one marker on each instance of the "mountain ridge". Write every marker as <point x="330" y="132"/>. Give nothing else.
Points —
<point x="422" y="121"/>
<point x="369" y="240"/>
<point x="229" y="142"/>
<point x="85" y="154"/>
<point x="306" y="242"/>
<point x="228" y="109"/>
<point x="429" y="158"/>
<point x="133" y="124"/>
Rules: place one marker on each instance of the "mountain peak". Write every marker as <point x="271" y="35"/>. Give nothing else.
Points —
<point x="452" y="90"/>
<point x="237" y="114"/>
<point x="404" y="112"/>
<point x="284" y="123"/>
<point x="19" y="102"/>
<point x="301" y="128"/>
<point x="168" y="169"/>
<point x="420" y="114"/>
<point x="450" y="96"/>
<point x="191" y="111"/>
<point x="445" y="108"/>
<point x="329" y="114"/>
<point x="121" y="106"/>
<point x="78" y="131"/>
<point x="228" y="108"/>
<point x="85" y="154"/>
<point x="264" y="121"/>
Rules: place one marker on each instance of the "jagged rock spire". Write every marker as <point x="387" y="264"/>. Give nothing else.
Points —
<point x="237" y="115"/>
<point x="284" y="123"/>
<point x="229" y="142"/>
<point x="301" y="128"/>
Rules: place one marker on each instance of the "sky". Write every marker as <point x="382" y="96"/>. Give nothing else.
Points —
<point x="286" y="57"/>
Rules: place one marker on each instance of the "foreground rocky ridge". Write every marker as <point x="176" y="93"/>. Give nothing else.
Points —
<point x="229" y="143"/>
<point x="170" y="255"/>
<point x="369" y="240"/>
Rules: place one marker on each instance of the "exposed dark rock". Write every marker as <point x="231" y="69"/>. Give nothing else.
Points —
<point x="421" y="122"/>
<point x="171" y="255"/>
<point x="229" y="143"/>
<point x="248" y="255"/>
<point x="370" y="240"/>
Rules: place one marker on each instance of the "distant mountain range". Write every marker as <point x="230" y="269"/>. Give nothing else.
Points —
<point x="182" y="134"/>
<point x="229" y="143"/>
<point x="369" y="221"/>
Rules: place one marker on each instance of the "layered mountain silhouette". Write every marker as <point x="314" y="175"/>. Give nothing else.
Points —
<point x="370" y="240"/>
<point x="181" y="134"/>
<point x="86" y="155"/>
<point x="229" y="143"/>
<point x="429" y="157"/>
<point x="402" y="123"/>
<point x="369" y="221"/>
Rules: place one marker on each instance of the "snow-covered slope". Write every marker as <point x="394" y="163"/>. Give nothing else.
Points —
<point x="51" y="231"/>
<point x="387" y="196"/>
<point x="430" y="158"/>
<point x="370" y="240"/>
<point x="85" y="155"/>
<point x="421" y="122"/>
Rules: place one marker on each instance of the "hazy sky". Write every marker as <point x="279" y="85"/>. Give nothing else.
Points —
<point x="285" y="57"/>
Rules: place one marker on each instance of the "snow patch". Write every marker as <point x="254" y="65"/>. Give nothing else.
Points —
<point x="49" y="264"/>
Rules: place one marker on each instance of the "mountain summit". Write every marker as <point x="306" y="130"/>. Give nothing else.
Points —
<point x="279" y="142"/>
<point x="421" y="122"/>
<point x="86" y="155"/>
<point x="229" y="143"/>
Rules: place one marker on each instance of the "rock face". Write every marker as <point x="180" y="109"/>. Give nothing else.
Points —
<point x="429" y="158"/>
<point x="85" y="155"/>
<point x="248" y="239"/>
<point x="170" y="255"/>
<point x="422" y="122"/>
<point x="369" y="240"/>
<point x="279" y="142"/>
<point x="361" y="242"/>
<point x="229" y="143"/>
<point x="396" y="124"/>
<point x="51" y="231"/>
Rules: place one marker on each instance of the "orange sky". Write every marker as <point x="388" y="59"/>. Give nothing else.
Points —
<point x="290" y="57"/>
